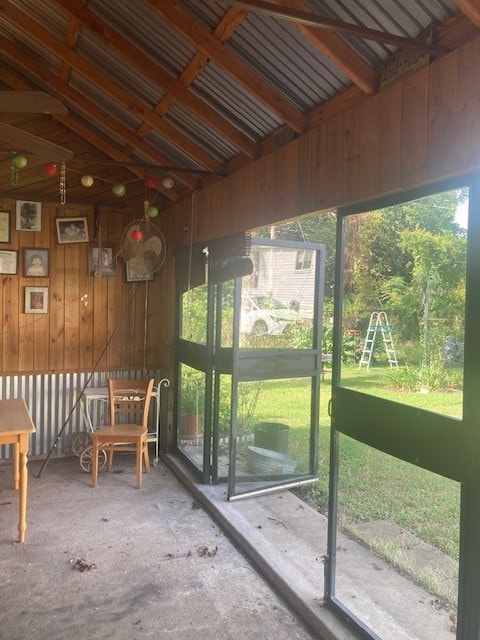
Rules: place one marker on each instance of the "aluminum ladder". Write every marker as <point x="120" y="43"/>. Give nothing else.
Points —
<point x="378" y="322"/>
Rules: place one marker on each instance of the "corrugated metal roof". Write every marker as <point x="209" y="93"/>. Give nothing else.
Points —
<point x="235" y="103"/>
<point x="281" y="55"/>
<point x="286" y="77"/>
<point x="147" y="31"/>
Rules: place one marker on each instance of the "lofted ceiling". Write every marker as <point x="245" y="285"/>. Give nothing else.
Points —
<point x="196" y="89"/>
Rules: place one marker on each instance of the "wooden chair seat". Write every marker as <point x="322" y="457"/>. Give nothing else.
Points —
<point x="126" y="398"/>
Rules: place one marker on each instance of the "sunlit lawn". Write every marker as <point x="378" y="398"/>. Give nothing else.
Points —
<point x="373" y="485"/>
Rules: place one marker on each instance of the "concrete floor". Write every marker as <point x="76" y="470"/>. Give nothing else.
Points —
<point x="156" y="564"/>
<point x="164" y="568"/>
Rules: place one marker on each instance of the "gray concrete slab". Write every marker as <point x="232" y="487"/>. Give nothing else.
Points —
<point x="288" y="540"/>
<point x="156" y="564"/>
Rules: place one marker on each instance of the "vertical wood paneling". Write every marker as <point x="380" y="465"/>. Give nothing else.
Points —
<point x="390" y="143"/>
<point x="414" y="128"/>
<point x="468" y="128"/>
<point x="444" y="147"/>
<point x="71" y="336"/>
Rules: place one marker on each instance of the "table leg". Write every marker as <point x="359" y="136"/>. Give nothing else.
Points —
<point x="16" y="472"/>
<point x="23" y="485"/>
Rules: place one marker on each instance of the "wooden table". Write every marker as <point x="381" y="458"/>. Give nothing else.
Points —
<point x="15" y="427"/>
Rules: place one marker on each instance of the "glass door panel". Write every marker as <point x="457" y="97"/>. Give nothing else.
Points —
<point x="397" y="544"/>
<point x="191" y="411"/>
<point x="273" y="442"/>
<point x="398" y="439"/>
<point x="277" y="363"/>
<point x="405" y="287"/>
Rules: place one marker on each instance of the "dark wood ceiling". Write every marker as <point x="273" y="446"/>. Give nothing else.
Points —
<point x="196" y="89"/>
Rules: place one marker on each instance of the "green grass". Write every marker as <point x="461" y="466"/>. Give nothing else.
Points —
<point x="372" y="484"/>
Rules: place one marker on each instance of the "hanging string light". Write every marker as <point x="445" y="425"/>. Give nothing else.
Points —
<point x="63" y="183"/>
<point x="16" y="162"/>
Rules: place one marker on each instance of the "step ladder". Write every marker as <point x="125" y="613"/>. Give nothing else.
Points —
<point x="378" y="322"/>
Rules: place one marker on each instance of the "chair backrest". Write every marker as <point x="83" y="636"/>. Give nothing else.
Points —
<point x="129" y="401"/>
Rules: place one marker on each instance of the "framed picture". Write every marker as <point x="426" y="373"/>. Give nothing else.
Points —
<point x="35" y="263"/>
<point x="8" y="262"/>
<point x="138" y="270"/>
<point x="29" y="216"/>
<point x="72" y="230"/>
<point x="4" y="226"/>
<point x="36" y="299"/>
<point x="101" y="260"/>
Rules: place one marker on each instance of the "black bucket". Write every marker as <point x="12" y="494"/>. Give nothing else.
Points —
<point x="271" y="435"/>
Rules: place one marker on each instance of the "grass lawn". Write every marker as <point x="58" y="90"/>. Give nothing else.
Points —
<point x="372" y="484"/>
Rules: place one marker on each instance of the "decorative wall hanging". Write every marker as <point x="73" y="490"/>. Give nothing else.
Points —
<point x="4" y="226"/>
<point x="101" y="260"/>
<point x="36" y="299"/>
<point x="35" y="263"/>
<point x="29" y="216"/>
<point x="8" y="262"/>
<point x="72" y="230"/>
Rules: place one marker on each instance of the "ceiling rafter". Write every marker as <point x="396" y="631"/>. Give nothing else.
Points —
<point x="157" y="74"/>
<point x="337" y="50"/>
<point x="224" y="29"/>
<point x="64" y="90"/>
<point x="471" y="8"/>
<point x="311" y="19"/>
<point x="87" y="134"/>
<point x="234" y="66"/>
<point x="20" y="19"/>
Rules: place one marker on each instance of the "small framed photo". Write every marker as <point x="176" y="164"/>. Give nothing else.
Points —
<point x="36" y="299"/>
<point x="72" y="230"/>
<point x="8" y="262"/>
<point x="29" y="216"/>
<point x="35" y="263"/>
<point x="101" y="260"/>
<point x="4" y="226"/>
<point x="138" y="270"/>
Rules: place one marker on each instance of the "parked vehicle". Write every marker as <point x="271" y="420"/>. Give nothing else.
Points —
<point x="262" y="315"/>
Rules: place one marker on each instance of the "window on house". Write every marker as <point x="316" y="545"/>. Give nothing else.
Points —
<point x="304" y="259"/>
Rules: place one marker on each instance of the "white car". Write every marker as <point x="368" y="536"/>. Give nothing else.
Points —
<point x="262" y="315"/>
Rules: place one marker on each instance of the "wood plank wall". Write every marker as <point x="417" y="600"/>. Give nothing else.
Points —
<point x="72" y="336"/>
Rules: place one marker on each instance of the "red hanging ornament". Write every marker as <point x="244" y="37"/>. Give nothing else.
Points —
<point x="150" y="182"/>
<point x="136" y="235"/>
<point x="50" y="169"/>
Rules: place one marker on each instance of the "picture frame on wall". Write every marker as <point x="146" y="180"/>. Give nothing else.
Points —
<point x="8" y="262"/>
<point x="29" y="216"/>
<point x="36" y="299"/>
<point x="137" y="272"/>
<point x="102" y="260"/>
<point x="35" y="263"/>
<point x="72" y="230"/>
<point x="5" y="226"/>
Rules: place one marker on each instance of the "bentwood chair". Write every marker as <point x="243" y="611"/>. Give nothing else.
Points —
<point x="129" y="403"/>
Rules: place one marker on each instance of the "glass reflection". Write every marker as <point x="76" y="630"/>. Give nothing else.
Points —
<point x="278" y="299"/>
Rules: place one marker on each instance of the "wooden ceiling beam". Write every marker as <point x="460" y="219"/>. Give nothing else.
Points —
<point x="311" y="19"/>
<point x="471" y="8"/>
<point x="234" y="66"/>
<point x="89" y="136"/>
<point x="39" y="34"/>
<point x="61" y="88"/>
<point x="157" y="74"/>
<point x="337" y="50"/>
<point x="224" y="29"/>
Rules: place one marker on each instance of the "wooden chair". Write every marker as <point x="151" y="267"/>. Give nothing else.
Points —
<point x="129" y="403"/>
